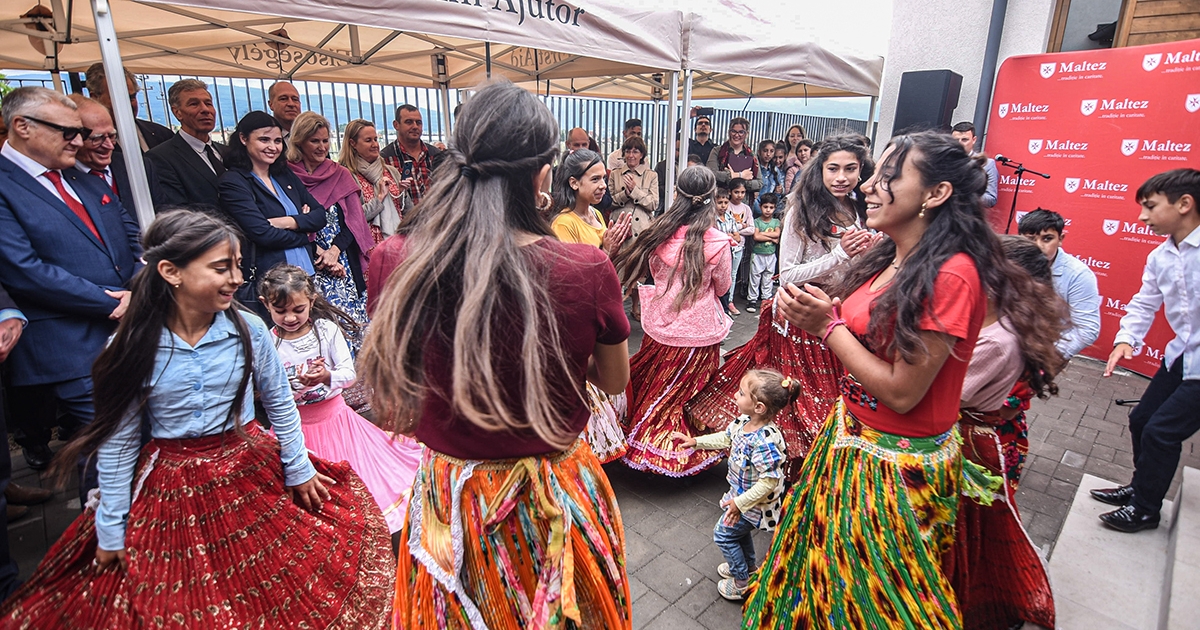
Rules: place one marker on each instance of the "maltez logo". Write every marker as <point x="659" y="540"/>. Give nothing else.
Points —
<point x="1087" y="107"/>
<point x="1111" y="226"/>
<point x="1035" y="146"/>
<point x="1065" y="145"/>
<point x="1182" y="57"/>
<point x="1166" y="146"/>
<point x="1128" y="103"/>
<point x="1047" y="70"/>
<point x="1071" y="184"/>
<point x="1106" y="186"/>
<point x="1192" y="103"/>
<point x="1151" y="61"/>
<point x="1082" y="66"/>
<point x="1095" y="263"/>
<point x="1129" y="146"/>
<point x="1003" y="111"/>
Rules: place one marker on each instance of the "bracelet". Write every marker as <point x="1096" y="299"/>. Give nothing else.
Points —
<point x="829" y="329"/>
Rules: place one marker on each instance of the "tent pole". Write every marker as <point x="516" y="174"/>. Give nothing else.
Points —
<point x="687" y="110"/>
<point x="871" y="120"/>
<point x="445" y="107"/>
<point x="126" y="131"/>
<point x="673" y="134"/>
<point x="487" y="58"/>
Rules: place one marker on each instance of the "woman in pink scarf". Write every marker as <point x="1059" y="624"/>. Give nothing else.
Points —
<point x="345" y="242"/>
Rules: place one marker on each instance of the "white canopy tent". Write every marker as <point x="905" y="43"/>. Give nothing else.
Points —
<point x="598" y="48"/>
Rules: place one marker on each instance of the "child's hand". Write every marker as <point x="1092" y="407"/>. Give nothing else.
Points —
<point x="1120" y="352"/>
<point x="685" y="440"/>
<point x="311" y="493"/>
<point x="317" y="374"/>
<point x="732" y="513"/>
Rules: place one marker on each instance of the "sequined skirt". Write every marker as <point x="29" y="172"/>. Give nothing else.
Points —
<point x="661" y="379"/>
<point x="214" y="541"/>
<point x="790" y="351"/>
<point x="534" y="543"/>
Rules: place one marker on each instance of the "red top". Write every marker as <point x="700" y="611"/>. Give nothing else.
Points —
<point x="588" y="304"/>
<point x="957" y="307"/>
<point x="384" y="259"/>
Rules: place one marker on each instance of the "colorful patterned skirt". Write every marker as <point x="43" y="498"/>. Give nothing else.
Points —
<point x="605" y="432"/>
<point x="997" y="574"/>
<point x="661" y="379"/>
<point x="863" y="533"/>
<point x="1014" y="435"/>
<point x="778" y="346"/>
<point x="214" y="541"/>
<point x="534" y="543"/>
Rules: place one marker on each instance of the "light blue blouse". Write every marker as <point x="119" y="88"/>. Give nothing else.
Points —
<point x="192" y="390"/>
<point x="296" y="256"/>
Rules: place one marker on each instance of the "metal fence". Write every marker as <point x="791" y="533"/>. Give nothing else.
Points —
<point x="343" y="102"/>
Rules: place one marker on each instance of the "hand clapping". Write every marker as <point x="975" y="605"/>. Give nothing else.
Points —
<point x="809" y="308"/>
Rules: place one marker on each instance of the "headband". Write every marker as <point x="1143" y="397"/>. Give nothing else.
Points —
<point x="702" y="198"/>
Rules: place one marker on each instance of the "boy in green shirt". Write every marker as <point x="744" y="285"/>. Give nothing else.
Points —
<point x="766" y="244"/>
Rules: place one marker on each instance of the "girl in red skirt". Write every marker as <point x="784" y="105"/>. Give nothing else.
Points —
<point x="204" y="528"/>
<point x="822" y="231"/>
<point x="683" y="321"/>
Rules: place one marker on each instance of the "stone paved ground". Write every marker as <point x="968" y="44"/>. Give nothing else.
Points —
<point x="668" y="522"/>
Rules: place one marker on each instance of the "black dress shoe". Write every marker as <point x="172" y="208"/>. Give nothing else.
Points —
<point x="1114" y="496"/>
<point x="38" y="457"/>
<point x="1129" y="519"/>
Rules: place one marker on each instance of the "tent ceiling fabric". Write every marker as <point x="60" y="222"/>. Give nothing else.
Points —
<point x="597" y="48"/>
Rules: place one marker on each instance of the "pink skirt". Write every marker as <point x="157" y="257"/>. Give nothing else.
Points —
<point x="386" y="464"/>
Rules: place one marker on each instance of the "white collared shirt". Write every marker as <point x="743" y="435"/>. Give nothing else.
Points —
<point x="198" y="146"/>
<point x="1171" y="280"/>
<point x="36" y="171"/>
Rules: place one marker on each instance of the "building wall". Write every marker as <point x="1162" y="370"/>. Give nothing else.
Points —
<point x="952" y="34"/>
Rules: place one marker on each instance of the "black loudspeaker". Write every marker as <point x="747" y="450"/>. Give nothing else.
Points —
<point x="927" y="100"/>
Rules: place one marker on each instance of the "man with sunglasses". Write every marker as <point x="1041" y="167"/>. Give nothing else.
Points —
<point x="100" y="157"/>
<point x="67" y="253"/>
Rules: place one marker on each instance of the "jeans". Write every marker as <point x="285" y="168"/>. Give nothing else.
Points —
<point x="75" y="398"/>
<point x="737" y="263"/>
<point x="737" y="546"/>
<point x="1166" y="416"/>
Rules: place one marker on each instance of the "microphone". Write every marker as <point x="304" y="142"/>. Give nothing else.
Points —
<point x="1001" y="159"/>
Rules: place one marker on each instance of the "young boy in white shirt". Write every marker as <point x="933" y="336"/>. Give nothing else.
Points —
<point x="1168" y="412"/>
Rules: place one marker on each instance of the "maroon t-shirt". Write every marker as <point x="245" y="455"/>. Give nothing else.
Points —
<point x="588" y="305"/>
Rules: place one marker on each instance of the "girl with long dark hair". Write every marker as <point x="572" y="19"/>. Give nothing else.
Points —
<point x="683" y="321"/>
<point x="192" y="492"/>
<point x="579" y="184"/>
<point x="862" y="537"/>
<point x="997" y="574"/>
<point x="821" y="234"/>
<point x="480" y="345"/>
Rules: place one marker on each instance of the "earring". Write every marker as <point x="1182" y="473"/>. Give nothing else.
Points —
<point x="921" y="214"/>
<point x="177" y="284"/>
<point x="545" y="201"/>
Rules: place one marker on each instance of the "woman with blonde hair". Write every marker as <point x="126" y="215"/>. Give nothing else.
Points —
<point x="343" y="245"/>
<point x="481" y="344"/>
<point x="383" y="201"/>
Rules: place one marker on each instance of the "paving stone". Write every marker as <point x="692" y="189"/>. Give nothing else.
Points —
<point x="694" y="602"/>
<point x="634" y="509"/>
<point x="1036" y="481"/>
<point x="647" y="609"/>
<point x="1086" y="433"/>
<point x="668" y="577"/>
<point x="1069" y="474"/>
<point x="1073" y="459"/>
<point x="722" y="615"/>
<point x="1118" y="442"/>
<point x="1069" y="442"/>
<point x="637" y="588"/>
<point x="683" y="541"/>
<point x="1103" y="453"/>
<point x="638" y="551"/>
<point x="672" y="619"/>
<point x="1061" y="490"/>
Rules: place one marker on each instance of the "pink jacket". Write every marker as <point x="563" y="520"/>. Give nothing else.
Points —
<point x="793" y="169"/>
<point x="702" y="322"/>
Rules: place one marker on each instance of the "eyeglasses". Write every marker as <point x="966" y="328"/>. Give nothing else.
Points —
<point x="99" y="138"/>
<point x="68" y="133"/>
<point x="737" y="132"/>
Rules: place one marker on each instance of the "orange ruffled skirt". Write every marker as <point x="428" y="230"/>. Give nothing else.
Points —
<point x="534" y="544"/>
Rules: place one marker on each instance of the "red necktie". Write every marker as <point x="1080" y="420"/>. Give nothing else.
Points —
<point x="99" y="173"/>
<point x="73" y="203"/>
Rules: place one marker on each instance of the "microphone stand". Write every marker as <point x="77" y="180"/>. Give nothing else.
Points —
<point x="1020" y="170"/>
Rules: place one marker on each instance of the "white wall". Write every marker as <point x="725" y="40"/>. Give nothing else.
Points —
<point x="952" y="34"/>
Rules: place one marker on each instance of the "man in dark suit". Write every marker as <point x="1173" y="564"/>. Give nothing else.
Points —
<point x="12" y="321"/>
<point x="150" y="134"/>
<point x="67" y="253"/>
<point x="99" y="158"/>
<point x="187" y="165"/>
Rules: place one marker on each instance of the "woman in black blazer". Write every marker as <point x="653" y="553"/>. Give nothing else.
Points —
<point x="268" y="202"/>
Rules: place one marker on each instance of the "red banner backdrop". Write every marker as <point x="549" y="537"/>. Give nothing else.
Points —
<point x="1100" y="123"/>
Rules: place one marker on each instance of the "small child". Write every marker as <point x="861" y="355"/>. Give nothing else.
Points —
<point x="766" y="243"/>
<point x="1167" y="414"/>
<point x="729" y="224"/>
<point x="756" y="456"/>
<point x="745" y="217"/>
<point x="694" y="160"/>
<point x="309" y="337"/>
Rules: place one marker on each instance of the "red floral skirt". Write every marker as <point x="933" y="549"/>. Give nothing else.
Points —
<point x="997" y="574"/>
<point x="661" y="379"/>
<point x="214" y="541"/>
<point x="792" y="352"/>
